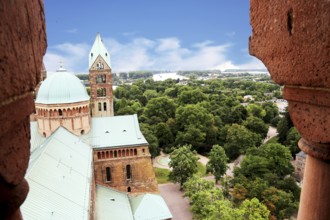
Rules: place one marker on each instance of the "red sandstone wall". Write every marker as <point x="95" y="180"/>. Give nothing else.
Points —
<point x="22" y="46"/>
<point x="143" y="177"/>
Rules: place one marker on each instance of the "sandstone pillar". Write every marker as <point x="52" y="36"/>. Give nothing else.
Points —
<point x="292" y="39"/>
<point x="22" y="46"/>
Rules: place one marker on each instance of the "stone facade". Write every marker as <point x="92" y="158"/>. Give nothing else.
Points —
<point x="22" y="46"/>
<point x="292" y="39"/>
<point x="100" y="78"/>
<point x="73" y="116"/>
<point x="128" y="169"/>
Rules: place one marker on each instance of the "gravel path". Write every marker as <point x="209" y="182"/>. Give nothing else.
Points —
<point x="178" y="205"/>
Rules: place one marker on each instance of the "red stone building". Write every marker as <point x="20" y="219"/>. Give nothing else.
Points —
<point x="100" y="78"/>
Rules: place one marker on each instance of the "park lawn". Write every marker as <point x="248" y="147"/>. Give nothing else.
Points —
<point x="162" y="175"/>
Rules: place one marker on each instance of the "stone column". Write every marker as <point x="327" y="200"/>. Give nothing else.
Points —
<point x="22" y="46"/>
<point x="292" y="39"/>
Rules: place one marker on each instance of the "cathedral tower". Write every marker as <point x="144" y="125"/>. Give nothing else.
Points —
<point x="100" y="78"/>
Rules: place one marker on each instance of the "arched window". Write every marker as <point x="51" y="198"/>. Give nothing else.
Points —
<point x="143" y="151"/>
<point x="135" y="152"/>
<point x="129" y="189"/>
<point x="111" y="154"/>
<point x="128" y="172"/>
<point x="104" y="106"/>
<point x="115" y="153"/>
<point x="60" y="112"/>
<point x="108" y="174"/>
<point x="100" y="106"/>
<point x="98" y="155"/>
<point x="103" y="155"/>
<point x="107" y="154"/>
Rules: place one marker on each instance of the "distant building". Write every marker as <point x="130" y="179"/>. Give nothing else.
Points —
<point x="300" y="165"/>
<point x="74" y="156"/>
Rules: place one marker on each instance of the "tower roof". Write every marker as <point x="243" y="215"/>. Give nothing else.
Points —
<point x="98" y="49"/>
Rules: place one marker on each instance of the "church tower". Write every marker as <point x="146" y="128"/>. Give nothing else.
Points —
<point x="100" y="78"/>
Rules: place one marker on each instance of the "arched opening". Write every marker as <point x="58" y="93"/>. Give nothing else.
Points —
<point x="135" y="152"/>
<point x="123" y="153"/>
<point x="119" y="153"/>
<point x="82" y="132"/>
<point x="131" y="152"/>
<point x="115" y="153"/>
<point x="127" y="152"/>
<point x="104" y="106"/>
<point x="44" y="134"/>
<point x="103" y="155"/>
<point x="98" y="155"/>
<point x="129" y="189"/>
<point x="107" y="154"/>
<point x="128" y="172"/>
<point x="143" y="151"/>
<point x="60" y="113"/>
<point x="100" y="106"/>
<point x="111" y="154"/>
<point x="108" y="174"/>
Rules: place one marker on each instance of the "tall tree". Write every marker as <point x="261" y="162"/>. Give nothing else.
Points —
<point x="256" y="125"/>
<point x="161" y="107"/>
<point x="183" y="162"/>
<point x="238" y="140"/>
<point x="217" y="164"/>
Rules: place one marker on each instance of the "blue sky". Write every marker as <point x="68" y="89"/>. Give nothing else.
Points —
<point x="150" y="34"/>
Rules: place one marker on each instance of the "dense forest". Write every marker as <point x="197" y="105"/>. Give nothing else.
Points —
<point x="205" y="114"/>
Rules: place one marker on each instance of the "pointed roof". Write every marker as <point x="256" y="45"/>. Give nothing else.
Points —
<point x="98" y="49"/>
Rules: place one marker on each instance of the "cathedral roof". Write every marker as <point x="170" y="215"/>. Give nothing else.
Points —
<point x="59" y="177"/>
<point x="61" y="87"/>
<point x="99" y="49"/>
<point x="113" y="132"/>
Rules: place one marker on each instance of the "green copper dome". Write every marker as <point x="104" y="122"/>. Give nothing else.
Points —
<point x="61" y="87"/>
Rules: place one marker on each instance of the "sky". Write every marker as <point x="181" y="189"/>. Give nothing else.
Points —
<point x="167" y="35"/>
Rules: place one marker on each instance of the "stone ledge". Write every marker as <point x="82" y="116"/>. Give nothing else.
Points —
<point x="320" y="151"/>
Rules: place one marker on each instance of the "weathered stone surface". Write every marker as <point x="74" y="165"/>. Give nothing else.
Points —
<point x="22" y="46"/>
<point x="15" y="153"/>
<point x="315" y="196"/>
<point x="22" y="43"/>
<point x="292" y="39"/>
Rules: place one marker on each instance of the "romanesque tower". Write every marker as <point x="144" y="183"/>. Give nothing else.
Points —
<point x="100" y="78"/>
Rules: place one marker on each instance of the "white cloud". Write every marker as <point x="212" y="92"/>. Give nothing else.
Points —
<point x="253" y="63"/>
<point x="146" y="54"/>
<point x="73" y="57"/>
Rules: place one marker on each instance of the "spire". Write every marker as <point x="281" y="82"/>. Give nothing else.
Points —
<point x="98" y="49"/>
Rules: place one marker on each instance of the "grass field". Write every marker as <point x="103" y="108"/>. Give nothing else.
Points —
<point x="162" y="174"/>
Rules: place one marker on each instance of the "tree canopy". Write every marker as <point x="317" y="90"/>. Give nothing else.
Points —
<point x="183" y="162"/>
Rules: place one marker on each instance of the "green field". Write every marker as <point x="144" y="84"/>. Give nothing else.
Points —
<point x="162" y="174"/>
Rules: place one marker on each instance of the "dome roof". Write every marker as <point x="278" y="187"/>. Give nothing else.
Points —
<point x="61" y="87"/>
